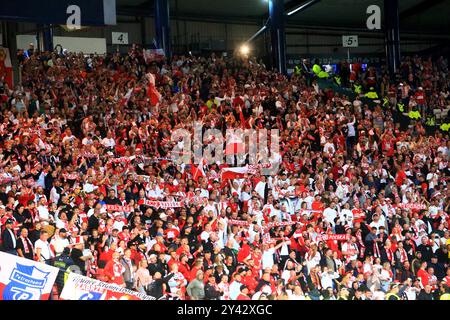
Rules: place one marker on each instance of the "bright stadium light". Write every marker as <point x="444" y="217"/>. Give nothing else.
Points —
<point x="245" y="49"/>
<point x="301" y="7"/>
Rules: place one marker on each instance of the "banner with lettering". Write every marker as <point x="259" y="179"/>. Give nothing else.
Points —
<point x="338" y="237"/>
<point x="118" y="208"/>
<point x="238" y="222"/>
<point x="25" y="279"/>
<point x="161" y="204"/>
<point x="78" y="287"/>
<point x="412" y="206"/>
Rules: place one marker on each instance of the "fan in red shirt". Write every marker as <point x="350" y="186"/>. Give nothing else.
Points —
<point x="423" y="274"/>
<point x="114" y="270"/>
<point x="184" y="267"/>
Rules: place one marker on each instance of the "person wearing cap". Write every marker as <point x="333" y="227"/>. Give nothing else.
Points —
<point x="393" y="293"/>
<point x="212" y="290"/>
<point x="9" y="239"/>
<point x="59" y="241"/>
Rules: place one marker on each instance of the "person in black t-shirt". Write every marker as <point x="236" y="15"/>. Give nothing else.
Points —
<point x="24" y="246"/>
<point x="78" y="258"/>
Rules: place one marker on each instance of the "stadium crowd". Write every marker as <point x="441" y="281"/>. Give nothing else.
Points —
<point x="359" y="209"/>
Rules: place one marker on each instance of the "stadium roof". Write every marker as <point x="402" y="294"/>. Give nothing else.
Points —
<point x="418" y="16"/>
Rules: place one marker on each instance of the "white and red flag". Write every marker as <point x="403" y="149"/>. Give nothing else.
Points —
<point x="234" y="173"/>
<point x="199" y="170"/>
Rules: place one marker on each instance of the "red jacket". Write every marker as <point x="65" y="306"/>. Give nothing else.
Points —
<point x="114" y="271"/>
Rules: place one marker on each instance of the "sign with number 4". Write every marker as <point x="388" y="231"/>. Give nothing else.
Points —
<point x="349" y="41"/>
<point x="119" y="38"/>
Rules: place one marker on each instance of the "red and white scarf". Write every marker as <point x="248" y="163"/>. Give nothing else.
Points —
<point x="390" y="255"/>
<point x="362" y="247"/>
<point x="403" y="255"/>
<point x="26" y="247"/>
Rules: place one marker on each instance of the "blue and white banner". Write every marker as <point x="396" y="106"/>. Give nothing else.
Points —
<point x="78" y="287"/>
<point x="24" y="279"/>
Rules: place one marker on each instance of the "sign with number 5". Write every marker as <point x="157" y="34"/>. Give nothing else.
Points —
<point x="349" y="41"/>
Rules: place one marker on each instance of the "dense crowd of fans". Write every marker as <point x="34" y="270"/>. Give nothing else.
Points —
<point x="358" y="210"/>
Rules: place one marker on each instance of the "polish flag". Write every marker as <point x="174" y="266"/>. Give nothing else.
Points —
<point x="152" y="92"/>
<point x="234" y="173"/>
<point x="198" y="171"/>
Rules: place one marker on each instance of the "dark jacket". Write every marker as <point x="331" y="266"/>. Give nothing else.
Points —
<point x="211" y="293"/>
<point x="7" y="240"/>
<point x="425" y="296"/>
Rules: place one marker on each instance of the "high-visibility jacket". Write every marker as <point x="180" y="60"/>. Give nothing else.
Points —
<point x="357" y="88"/>
<point x="401" y="107"/>
<point x="297" y="70"/>
<point x="338" y="80"/>
<point x="445" y="126"/>
<point x="385" y="102"/>
<point x="445" y="296"/>
<point x="431" y="122"/>
<point x="371" y="95"/>
<point x="319" y="72"/>
<point x="392" y="295"/>
<point x="414" y="115"/>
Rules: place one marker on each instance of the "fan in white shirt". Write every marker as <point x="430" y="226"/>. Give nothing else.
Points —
<point x="43" y="213"/>
<point x="330" y="213"/>
<point x="346" y="215"/>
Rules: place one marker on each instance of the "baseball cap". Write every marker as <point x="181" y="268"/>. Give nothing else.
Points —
<point x="9" y="221"/>
<point x="63" y="230"/>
